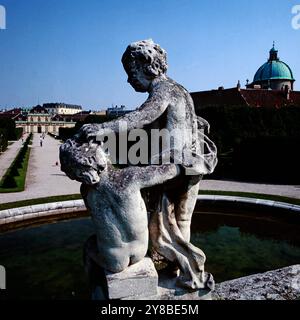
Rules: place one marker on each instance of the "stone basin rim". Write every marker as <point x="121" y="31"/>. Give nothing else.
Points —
<point x="64" y="207"/>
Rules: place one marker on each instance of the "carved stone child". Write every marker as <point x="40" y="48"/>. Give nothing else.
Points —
<point x="169" y="106"/>
<point x="113" y="197"/>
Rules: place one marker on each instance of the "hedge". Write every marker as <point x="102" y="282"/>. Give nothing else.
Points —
<point x="3" y="140"/>
<point x="14" y="178"/>
<point x="256" y="144"/>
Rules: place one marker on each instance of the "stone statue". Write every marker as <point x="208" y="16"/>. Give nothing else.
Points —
<point x="170" y="188"/>
<point x="115" y="202"/>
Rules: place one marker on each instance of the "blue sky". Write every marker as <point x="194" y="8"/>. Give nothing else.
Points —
<point x="70" y="51"/>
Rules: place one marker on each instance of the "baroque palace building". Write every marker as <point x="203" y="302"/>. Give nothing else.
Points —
<point x="62" y="108"/>
<point x="272" y="86"/>
<point x="50" y="117"/>
<point x="40" y="119"/>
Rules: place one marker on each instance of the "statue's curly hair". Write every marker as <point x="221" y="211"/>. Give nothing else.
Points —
<point x="150" y="54"/>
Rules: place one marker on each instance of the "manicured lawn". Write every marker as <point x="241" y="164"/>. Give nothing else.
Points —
<point x="31" y="202"/>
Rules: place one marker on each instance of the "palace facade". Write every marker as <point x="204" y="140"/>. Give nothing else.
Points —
<point x="40" y="120"/>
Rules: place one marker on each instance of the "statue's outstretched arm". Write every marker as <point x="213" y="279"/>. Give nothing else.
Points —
<point x="154" y="175"/>
<point x="150" y="110"/>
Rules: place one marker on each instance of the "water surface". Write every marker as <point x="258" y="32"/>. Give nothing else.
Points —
<point x="45" y="262"/>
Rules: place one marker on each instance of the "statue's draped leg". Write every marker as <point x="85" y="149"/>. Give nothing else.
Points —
<point x="184" y="204"/>
<point x="168" y="241"/>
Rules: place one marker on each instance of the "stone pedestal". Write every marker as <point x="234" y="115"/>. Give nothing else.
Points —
<point x="138" y="282"/>
<point x="140" y="279"/>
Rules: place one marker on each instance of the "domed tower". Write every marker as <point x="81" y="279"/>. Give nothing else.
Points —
<point x="274" y="74"/>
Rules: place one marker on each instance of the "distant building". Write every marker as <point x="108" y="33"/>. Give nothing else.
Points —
<point x="116" y="111"/>
<point x="62" y="108"/>
<point x="246" y="97"/>
<point x="272" y="86"/>
<point x="39" y="120"/>
<point x="99" y="113"/>
<point x="11" y="114"/>
<point x="274" y="74"/>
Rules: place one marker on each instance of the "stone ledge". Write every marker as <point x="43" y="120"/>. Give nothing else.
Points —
<point x="281" y="284"/>
<point x="9" y="215"/>
<point x="262" y="202"/>
<point x="40" y="210"/>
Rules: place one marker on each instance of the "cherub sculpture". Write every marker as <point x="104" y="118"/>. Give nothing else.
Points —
<point x="170" y="200"/>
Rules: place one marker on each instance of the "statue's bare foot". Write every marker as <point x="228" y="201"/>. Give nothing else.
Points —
<point x="204" y="281"/>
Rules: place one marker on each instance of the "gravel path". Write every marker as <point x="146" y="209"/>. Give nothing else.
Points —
<point x="292" y="191"/>
<point x="44" y="178"/>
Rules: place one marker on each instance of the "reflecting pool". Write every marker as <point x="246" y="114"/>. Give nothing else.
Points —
<point x="45" y="262"/>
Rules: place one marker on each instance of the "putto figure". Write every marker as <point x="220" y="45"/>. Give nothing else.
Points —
<point x="171" y="204"/>
<point x="113" y="197"/>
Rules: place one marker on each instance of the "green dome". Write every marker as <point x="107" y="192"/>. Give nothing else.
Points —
<point x="273" y="69"/>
